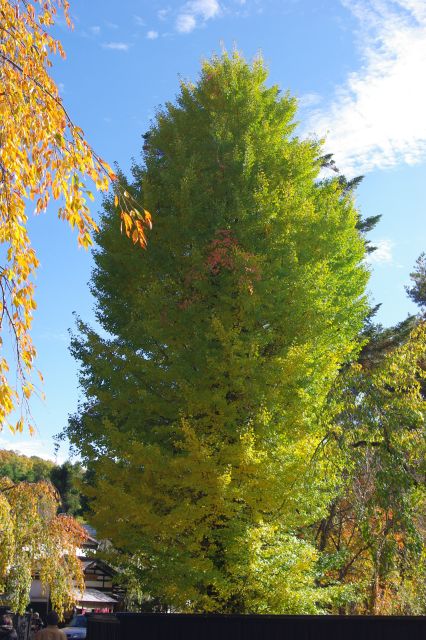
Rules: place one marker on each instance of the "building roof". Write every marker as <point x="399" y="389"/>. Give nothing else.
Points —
<point x="96" y="563"/>
<point x="93" y="597"/>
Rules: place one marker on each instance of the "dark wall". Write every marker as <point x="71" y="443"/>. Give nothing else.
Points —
<point x="132" y="626"/>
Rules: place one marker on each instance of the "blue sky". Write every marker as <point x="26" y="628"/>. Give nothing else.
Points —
<point x="357" y="67"/>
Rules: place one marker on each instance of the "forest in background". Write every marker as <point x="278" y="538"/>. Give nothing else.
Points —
<point x="65" y="477"/>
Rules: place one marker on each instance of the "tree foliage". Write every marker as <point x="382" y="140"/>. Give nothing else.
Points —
<point x="417" y="291"/>
<point x="373" y="538"/>
<point x="374" y="535"/>
<point x="18" y="467"/>
<point x="34" y="539"/>
<point x="42" y="155"/>
<point x="66" y="477"/>
<point x="203" y="406"/>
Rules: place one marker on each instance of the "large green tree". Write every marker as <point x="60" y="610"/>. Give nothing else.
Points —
<point x="204" y="396"/>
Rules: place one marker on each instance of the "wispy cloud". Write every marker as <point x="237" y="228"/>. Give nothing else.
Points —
<point x="377" y="117"/>
<point x="139" y="21"/>
<point x="383" y="253"/>
<point x="185" y="23"/>
<point x="95" y="30"/>
<point x="309" y="100"/>
<point x="116" y="46"/>
<point x="152" y="35"/>
<point x="196" y="12"/>
<point x="32" y="447"/>
<point x="163" y="13"/>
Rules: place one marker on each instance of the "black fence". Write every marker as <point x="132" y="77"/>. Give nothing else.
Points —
<point x="154" y="626"/>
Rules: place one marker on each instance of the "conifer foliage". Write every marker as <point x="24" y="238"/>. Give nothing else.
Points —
<point x="202" y="406"/>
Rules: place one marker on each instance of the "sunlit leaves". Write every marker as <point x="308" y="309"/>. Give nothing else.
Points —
<point x="43" y="156"/>
<point x="202" y="405"/>
<point x="133" y="222"/>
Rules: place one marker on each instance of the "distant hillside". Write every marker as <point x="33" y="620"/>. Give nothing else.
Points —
<point x="18" y="467"/>
<point x="65" y="477"/>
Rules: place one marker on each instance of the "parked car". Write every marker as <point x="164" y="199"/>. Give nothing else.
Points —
<point x="77" y="628"/>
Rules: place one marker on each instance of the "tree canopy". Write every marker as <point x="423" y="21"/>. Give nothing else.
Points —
<point x="203" y="407"/>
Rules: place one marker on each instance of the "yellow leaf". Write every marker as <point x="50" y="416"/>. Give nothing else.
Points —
<point x="148" y="218"/>
<point x="128" y="222"/>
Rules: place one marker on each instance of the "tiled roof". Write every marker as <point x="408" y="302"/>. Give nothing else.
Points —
<point x="94" y="597"/>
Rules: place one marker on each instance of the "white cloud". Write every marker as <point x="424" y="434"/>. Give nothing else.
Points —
<point x="95" y="30"/>
<point x="116" y="46"/>
<point x="139" y="21"/>
<point x="185" y="23"/>
<point x="377" y="117"/>
<point x="205" y="8"/>
<point x="201" y="10"/>
<point x="32" y="447"/>
<point x="152" y="35"/>
<point x="383" y="253"/>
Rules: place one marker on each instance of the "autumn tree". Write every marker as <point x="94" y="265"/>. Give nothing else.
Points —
<point x="202" y="407"/>
<point x="374" y="535"/>
<point x="34" y="539"/>
<point x="42" y="155"/>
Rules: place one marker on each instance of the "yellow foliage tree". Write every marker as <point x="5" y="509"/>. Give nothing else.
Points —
<point x="42" y="155"/>
<point x="33" y="538"/>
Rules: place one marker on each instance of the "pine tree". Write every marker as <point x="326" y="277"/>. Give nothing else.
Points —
<point x="203" y="402"/>
<point x="417" y="291"/>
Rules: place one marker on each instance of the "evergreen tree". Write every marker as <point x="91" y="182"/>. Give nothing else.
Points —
<point x="203" y="405"/>
<point x="417" y="291"/>
<point x="66" y="478"/>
